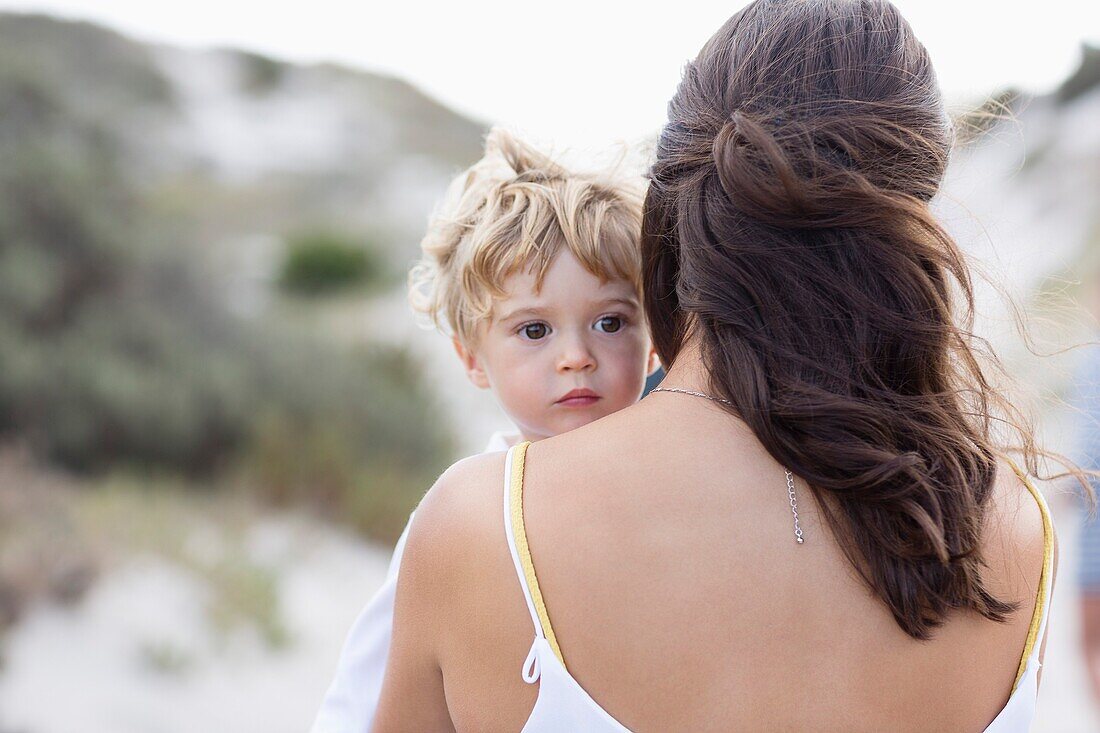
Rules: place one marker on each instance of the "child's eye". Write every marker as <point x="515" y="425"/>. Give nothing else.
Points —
<point x="610" y="324"/>
<point x="534" y="331"/>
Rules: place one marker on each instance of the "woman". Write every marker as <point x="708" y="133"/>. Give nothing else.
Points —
<point x="812" y="526"/>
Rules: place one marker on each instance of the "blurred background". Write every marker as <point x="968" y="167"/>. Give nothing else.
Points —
<point x="216" y="410"/>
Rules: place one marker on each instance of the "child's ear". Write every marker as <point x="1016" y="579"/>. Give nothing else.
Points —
<point x="472" y="364"/>
<point x="653" y="362"/>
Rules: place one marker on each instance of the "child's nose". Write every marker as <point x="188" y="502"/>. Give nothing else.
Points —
<point x="576" y="356"/>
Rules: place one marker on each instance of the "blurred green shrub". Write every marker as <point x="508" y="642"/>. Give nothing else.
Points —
<point x="323" y="262"/>
<point x="354" y="437"/>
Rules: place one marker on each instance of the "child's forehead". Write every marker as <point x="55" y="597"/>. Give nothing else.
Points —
<point x="617" y="292"/>
<point x="563" y="273"/>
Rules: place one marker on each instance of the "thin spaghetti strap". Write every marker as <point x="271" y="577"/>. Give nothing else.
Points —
<point x="1042" y="601"/>
<point x="510" y="532"/>
<point x="517" y="544"/>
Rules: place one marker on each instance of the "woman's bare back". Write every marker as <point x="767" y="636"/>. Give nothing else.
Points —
<point x="665" y="550"/>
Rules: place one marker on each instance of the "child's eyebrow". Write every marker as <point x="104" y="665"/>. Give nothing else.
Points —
<point x="534" y="311"/>
<point x="628" y="302"/>
<point x="523" y="312"/>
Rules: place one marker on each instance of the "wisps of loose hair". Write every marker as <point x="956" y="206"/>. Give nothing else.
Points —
<point x="517" y="209"/>
<point x="787" y="226"/>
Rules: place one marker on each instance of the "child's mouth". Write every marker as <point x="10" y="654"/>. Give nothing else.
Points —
<point x="579" y="398"/>
<point x="579" y="401"/>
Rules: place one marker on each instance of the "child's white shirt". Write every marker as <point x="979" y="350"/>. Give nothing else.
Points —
<point x="352" y="698"/>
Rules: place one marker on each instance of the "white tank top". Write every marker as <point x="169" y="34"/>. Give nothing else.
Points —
<point x="562" y="704"/>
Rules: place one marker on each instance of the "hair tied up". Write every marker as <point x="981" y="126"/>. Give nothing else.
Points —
<point x="755" y="172"/>
<point x="788" y="172"/>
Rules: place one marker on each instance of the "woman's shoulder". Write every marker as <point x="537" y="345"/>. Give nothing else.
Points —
<point x="455" y="521"/>
<point x="1018" y="533"/>
<point x="463" y="499"/>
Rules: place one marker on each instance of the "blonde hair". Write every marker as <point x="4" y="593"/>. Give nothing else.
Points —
<point x="516" y="209"/>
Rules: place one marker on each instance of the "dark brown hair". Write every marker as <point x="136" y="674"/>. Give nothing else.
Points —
<point x="787" y="222"/>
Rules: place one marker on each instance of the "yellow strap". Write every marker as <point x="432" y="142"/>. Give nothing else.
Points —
<point x="1044" y="577"/>
<point x="524" y="551"/>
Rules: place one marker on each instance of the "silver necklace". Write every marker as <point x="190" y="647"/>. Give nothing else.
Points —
<point x="790" y="476"/>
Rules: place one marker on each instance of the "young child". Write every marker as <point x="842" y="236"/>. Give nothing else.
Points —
<point x="535" y="274"/>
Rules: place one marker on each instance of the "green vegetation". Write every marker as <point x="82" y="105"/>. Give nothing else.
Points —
<point x="119" y="354"/>
<point x="105" y="72"/>
<point x="321" y="262"/>
<point x="141" y="414"/>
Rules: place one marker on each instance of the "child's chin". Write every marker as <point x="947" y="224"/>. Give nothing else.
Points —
<point x="580" y="419"/>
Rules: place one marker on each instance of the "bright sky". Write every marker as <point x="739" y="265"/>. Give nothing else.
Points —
<point x="579" y="73"/>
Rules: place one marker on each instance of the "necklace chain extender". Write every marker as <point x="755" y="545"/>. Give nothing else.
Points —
<point x="790" y="476"/>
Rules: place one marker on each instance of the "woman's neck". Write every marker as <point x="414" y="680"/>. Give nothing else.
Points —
<point x="688" y="370"/>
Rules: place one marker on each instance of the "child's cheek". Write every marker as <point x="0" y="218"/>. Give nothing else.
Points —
<point x="631" y="354"/>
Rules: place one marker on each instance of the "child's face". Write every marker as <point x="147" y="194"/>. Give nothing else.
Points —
<point x="575" y="334"/>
